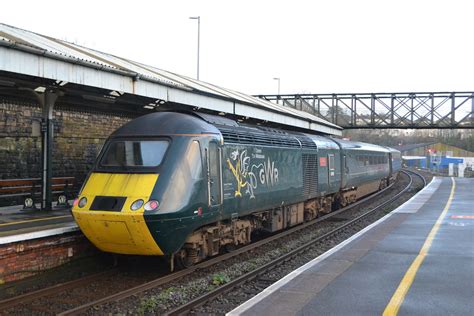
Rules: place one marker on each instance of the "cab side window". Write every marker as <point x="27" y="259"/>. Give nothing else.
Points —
<point x="194" y="159"/>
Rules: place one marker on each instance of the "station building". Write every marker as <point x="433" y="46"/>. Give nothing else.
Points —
<point x="436" y="156"/>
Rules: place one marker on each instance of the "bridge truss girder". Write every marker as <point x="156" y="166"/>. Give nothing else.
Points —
<point x="417" y="110"/>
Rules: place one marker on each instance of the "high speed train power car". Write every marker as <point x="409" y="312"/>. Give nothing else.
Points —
<point x="187" y="185"/>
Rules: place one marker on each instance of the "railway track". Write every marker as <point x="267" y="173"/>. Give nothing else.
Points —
<point x="78" y="307"/>
<point x="58" y="288"/>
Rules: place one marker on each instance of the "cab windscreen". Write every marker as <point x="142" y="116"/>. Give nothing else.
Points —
<point x="134" y="153"/>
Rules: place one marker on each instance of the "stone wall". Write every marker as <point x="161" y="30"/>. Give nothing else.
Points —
<point x="78" y="139"/>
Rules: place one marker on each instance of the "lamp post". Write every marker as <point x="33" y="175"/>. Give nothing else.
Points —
<point x="198" y="18"/>
<point x="278" y="79"/>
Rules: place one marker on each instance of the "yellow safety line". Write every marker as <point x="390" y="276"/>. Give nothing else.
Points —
<point x="34" y="220"/>
<point x="399" y="296"/>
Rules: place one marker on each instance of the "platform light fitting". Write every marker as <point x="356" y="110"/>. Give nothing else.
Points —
<point x="61" y="83"/>
<point x="116" y="93"/>
<point x="40" y="89"/>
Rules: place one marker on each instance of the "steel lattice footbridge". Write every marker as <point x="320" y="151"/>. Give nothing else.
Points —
<point x="419" y="110"/>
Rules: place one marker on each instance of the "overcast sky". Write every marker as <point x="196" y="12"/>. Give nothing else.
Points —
<point x="313" y="46"/>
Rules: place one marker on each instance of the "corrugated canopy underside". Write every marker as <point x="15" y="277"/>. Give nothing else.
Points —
<point x="33" y="54"/>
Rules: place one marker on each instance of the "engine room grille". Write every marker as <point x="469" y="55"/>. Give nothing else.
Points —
<point x="252" y="137"/>
<point x="310" y="174"/>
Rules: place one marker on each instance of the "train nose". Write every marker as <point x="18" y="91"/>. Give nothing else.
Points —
<point x="108" y="219"/>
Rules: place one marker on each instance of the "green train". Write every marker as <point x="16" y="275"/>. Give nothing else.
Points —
<point x="189" y="185"/>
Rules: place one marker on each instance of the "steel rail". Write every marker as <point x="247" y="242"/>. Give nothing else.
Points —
<point x="180" y="274"/>
<point x="58" y="288"/>
<point x="419" y="175"/>
<point x="199" y="301"/>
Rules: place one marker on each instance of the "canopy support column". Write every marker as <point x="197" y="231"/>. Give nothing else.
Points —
<point x="48" y="100"/>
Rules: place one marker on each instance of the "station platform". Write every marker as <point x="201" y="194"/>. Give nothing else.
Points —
<point x="417" y="260"/>
<point x="32" y="242"/>
<point x="17" y="224"/>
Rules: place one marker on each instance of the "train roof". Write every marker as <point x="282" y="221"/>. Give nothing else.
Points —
<point x="173" y="123"/>
<point x="165" y="123"/>
<point x="393" y="150"/>
<point x="350" y="145"/>
<point x="323" y="142"/>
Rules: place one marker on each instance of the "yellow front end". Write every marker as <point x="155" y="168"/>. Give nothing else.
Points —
<point x="123" y="232"/>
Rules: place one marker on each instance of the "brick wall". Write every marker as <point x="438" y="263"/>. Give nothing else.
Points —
<point x="78" y="138"/>
<point x="27" y="258"/>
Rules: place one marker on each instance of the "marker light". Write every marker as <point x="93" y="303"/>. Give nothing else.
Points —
<point x="82" y="202"/>
<point x="76" y="202"/>
<point x="136" y="205"/>
<point x="151" y="205"/>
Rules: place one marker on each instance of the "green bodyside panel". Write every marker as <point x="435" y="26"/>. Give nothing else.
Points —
<point x="259" y="177"/>
<point x="171" y="233"/>
<point x="253" y="177"/>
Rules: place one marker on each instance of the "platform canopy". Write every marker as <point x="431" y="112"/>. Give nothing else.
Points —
<point x="92" y="76"/>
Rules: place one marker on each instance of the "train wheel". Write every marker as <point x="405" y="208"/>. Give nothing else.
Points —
<point x="185" y="258"/>
<point x="229" y="247"/>
<point x="337" y="203"/>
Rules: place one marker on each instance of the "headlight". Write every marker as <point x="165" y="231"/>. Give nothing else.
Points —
<point x="82" y="202"/>
<point x="136" y="205"/>
<point x="151" y="205"/>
